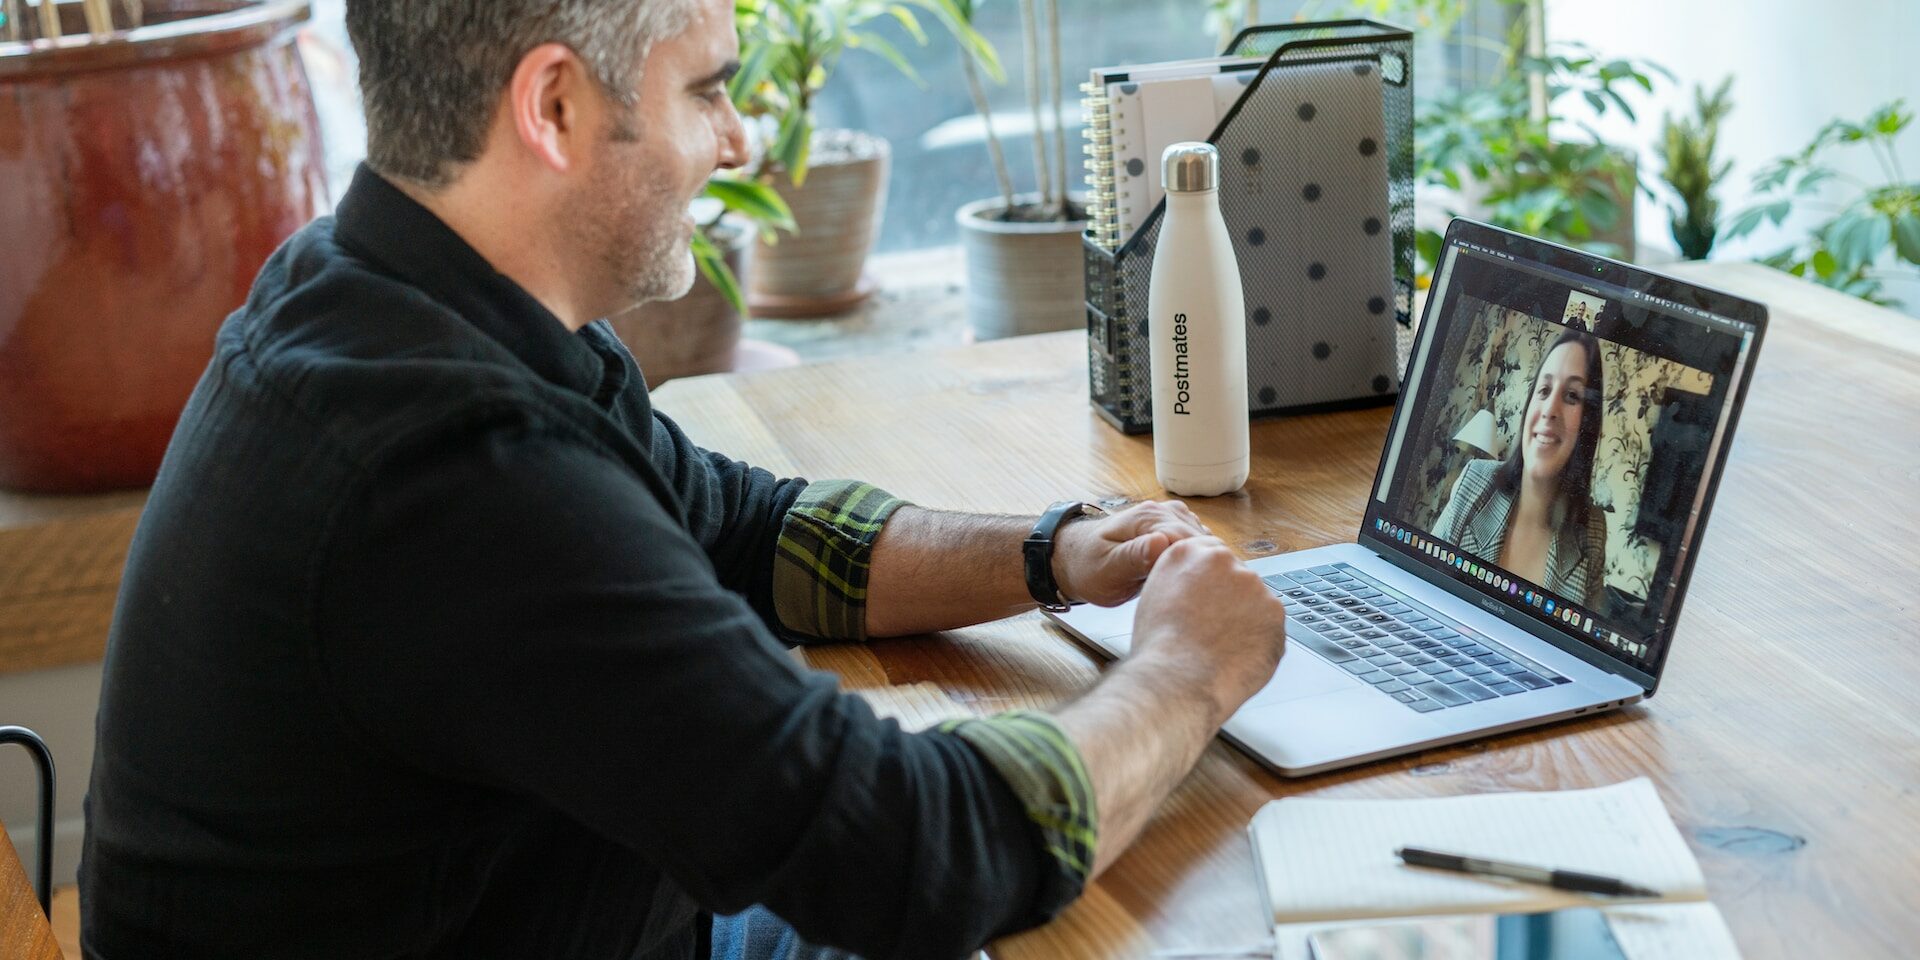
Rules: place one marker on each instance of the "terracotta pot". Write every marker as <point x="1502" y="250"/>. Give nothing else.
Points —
<point x="143" y="181"/>
<point x="819" y="271"/>
<point x="695" y="334"/>
<point x="1022" y="277"/>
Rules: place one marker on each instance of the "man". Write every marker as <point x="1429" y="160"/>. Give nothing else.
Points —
<point x="437" y="641"/>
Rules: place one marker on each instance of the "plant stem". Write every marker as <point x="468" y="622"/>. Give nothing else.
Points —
<point x="1536" y="47"/>
<point x="1053" y="93"/>
<point x="1030" y="30"/>
<point x="981" y="107"/>
<point x="1882" y="152"/>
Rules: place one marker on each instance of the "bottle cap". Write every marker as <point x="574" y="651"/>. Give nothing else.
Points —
<point x="1190" y="167"/>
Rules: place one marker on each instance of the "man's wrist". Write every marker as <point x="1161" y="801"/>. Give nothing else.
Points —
<point x="1067" y="544"/>
<point x="1181" y="678"/>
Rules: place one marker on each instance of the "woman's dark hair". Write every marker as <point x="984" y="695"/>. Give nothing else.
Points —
<point x="1576" y="481"/>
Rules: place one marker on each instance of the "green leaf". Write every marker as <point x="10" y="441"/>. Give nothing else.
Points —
<point x="1594" y="101"/>
<point x="714" y="267"/>
<point x="1772" y="176"/>
<point x="1906" y="236"/>
<point x="755" y="201"/>
<point x="875" y="43"/>
<point x="1890" y="119"/>
<point x="791" y="144"/>
<point x="1824" y="264"/>
<point x="756" y="61"/>
<point x="908" y="22"/>
<point x="1427" y="243"/>
<point x="1814" y="177"/>
<point x="1600" y="209"/>
<point x="1745" y="222"/>
<point x="1856" y="239"/>
<point x="1621" y="102"/>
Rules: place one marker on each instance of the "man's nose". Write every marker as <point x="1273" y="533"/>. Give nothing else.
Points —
<point x="733" y="142"/>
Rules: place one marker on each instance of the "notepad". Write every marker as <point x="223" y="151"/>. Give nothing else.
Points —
<point x="1333" y="860"/>
<point x="1133" y="114"/>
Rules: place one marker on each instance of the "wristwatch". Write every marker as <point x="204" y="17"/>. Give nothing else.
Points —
<point x="1038" y="553"/>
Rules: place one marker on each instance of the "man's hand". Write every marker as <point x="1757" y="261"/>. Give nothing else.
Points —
<point x="1207" y="635"/>
<point x="1207" y="617"/>
<point x="1104" y="560"/>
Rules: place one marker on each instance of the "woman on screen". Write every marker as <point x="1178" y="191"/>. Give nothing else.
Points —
<point x="1533" y="515"/>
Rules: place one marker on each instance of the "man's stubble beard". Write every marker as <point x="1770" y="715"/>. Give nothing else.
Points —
<point x="633" y="224"/>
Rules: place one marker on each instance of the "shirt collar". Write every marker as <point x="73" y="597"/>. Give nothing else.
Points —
<point x="379" y="220"/>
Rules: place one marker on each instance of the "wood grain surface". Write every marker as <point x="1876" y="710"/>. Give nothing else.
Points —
<point x="24" y="931"/>
<point x="1786" y="735"/>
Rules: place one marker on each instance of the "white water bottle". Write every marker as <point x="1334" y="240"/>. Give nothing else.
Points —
<point x="1197" y="330"/>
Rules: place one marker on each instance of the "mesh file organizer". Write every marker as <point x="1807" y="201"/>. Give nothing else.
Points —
<point x="1325" y="248"/>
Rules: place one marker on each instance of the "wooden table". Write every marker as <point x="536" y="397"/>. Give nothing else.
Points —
<point x="1786" y="737"/>
<point x="24" y="932"/>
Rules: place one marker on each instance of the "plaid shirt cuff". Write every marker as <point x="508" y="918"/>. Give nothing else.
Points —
<point x="824" y="553"/>
<point x="1045" y="771"/>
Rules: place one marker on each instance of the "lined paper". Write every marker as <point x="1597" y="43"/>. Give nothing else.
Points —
<point x="1672" y="931"/>
<point x="1334" y="859"/>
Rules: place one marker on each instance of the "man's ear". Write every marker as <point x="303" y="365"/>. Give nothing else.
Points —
<point x="545" y="100"/>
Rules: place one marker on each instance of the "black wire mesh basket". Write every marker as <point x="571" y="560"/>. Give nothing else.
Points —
<point x="1325" y="250"/>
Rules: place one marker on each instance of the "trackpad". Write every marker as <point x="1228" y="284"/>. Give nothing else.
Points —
<point x="1302" y="674"/>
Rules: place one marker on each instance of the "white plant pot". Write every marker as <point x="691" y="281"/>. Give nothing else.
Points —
<point x="1022" y="277"/>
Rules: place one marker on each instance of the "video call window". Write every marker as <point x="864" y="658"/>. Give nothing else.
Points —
<point x="1559" y="442"/>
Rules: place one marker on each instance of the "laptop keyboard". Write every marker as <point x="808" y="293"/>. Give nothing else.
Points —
<point x="1400" y="648"/>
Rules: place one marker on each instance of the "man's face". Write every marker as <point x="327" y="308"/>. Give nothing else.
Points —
<point x="655" y="157"/>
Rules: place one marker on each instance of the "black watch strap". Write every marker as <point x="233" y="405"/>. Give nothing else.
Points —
<point x="1037" y="552"/>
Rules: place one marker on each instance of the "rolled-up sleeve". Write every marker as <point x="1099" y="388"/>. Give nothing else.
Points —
<point x="823" y="557"/>
<point x="1046" y="772"/>
<point x="798" y="552"/>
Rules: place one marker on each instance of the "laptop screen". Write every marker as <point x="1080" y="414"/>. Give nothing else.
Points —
<point x="1558" y="439"/>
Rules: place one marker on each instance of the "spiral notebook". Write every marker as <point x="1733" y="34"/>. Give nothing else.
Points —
<point x="1133" y="115"/>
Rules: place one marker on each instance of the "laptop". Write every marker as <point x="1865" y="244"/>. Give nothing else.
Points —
<point x="1529" y="534"/>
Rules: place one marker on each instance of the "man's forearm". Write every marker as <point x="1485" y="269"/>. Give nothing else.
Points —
<point x="1138" y="732"/>
<point x="937" y="571"/>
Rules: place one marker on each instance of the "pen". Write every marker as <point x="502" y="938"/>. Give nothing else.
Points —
<point x="1558" y="879"/>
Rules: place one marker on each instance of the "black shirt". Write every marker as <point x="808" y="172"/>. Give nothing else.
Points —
<point x="436" y="640"/>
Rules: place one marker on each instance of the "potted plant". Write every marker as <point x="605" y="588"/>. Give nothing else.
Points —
<point x="1024" y="268"/>
<point x="834" y="181"/>
<point x="1871" y="235"/>
<point x="1497" y="151"/>
<point x="1687" y="146"/>
<point x="155" y="155"/>
<point x="700" y="332"/>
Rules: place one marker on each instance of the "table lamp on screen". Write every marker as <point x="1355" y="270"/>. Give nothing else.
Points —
<point x="1477" y="435"/>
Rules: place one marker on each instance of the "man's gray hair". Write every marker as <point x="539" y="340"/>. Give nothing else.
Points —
<point x="432" y="71"/>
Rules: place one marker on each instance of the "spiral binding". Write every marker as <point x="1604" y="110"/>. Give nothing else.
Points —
<point x="1103" y="217"/>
